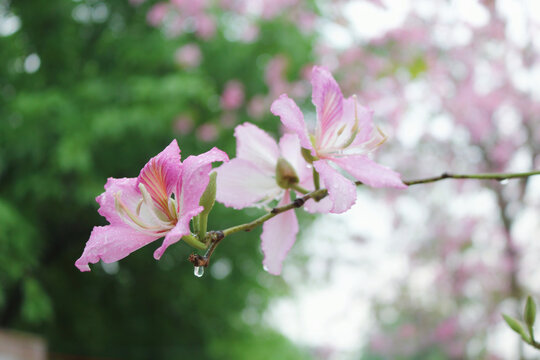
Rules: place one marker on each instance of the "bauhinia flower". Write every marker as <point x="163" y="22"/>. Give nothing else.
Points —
<point x="160" y="202"/>
<point x="261" y="172"/>
<point x="343" y="136"/>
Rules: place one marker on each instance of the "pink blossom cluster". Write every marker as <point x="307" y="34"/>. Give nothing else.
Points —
<point x="165" y="197"/>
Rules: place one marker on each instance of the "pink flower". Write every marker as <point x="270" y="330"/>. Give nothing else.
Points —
<point x="250" y="179"/>
<point x="188" y="56"/>
<point x="207" y="132"/>
<point x="233" y="95"/>
<point x="141" y="210"/>
<point x="343" y="136"/>
<point x="157" y="13"/>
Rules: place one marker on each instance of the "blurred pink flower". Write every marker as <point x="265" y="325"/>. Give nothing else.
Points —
<point x="343" y="136"/>
<point x="250" y="180"/>
<point x="233" y="95"/>
<point x="205" y="26"/>
<point x="188" y="56"/>
<point x="157" y="13"/>
<point x="207" y="132"/>
<point x="256" y="107"/>
<point x="183" y="124"/>
<point x="141" y="210"/>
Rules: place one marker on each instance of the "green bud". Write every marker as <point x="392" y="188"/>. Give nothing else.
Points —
<point x="208" y="198"/>
<point x="516" y="326"/>
<point x="285" y="174"/>
<point x="306" y="153"/>
<point x="530" y="312"/>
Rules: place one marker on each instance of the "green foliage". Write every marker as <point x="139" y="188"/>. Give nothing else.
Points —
<point x="103" y="101"/>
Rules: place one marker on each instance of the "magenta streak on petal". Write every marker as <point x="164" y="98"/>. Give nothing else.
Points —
<point x="278" y="236"/>
<point x="328" y="100"/>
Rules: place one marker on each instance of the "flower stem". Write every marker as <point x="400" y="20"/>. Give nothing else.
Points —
<point x="322" y="193"/>
<point x="299" y="189"/>
<point x="192" y="240"/>
<point x="316" y="179"/>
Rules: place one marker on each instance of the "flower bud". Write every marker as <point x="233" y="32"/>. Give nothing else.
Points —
<point x="306" y="153"/>
<point x="285" y="174"/>
<point x="208" y="198"/>
<point x="516" y="326"/>
<point x="530" y="312"/>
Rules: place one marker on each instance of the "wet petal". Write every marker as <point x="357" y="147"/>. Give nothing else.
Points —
<point x="195" y="178"/>
<point x="111" y="243"/>
<point x="241" y="184"/>
<point x="160" y="175"/>
<point x="292" y="118"/>
<point x="256" y="146"/>
<point x="327" y="98"/>
<point x="129" y="193"/>
<point x="369" y="172"/>
<point x="341" y="191"/>
<point x="278" y="236"/>
<point x="181" y="229"/>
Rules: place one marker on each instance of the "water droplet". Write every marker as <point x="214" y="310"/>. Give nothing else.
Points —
<point x="198" y="271"/>
<point x="504" y="181"/>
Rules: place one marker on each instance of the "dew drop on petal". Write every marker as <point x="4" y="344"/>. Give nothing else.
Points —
<point x="198" y="271"/>
<point x="504" y="181"/>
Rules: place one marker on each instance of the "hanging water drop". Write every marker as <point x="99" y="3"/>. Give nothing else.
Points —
<point x="198" y="271"/>
<point x="504" y="181"/>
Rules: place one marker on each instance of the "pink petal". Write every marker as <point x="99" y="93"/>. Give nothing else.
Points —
<point x="323" y="206"/>
<point x="111" y="243"/>
<point x="341" y="191"/>
<point x="327" y="98"/>
<point x="160" y="175"/>
<point x="257" y="147"/>
<point x="292" y="118"/>
<point x="278" y="236"/>
<point x="365" y="120"/>
<point x="241" y="184"/>
<point x="195" y="177"/>
<point x="289" y="145"/>
<point x="129" y="193"/>
<point x="369" y="172"/>
<point x="176" y="233"/>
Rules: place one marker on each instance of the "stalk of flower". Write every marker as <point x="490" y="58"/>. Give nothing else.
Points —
<point x="160" y="202"/>
<point x="342" y="137"/>
<point x="262" y="172"/>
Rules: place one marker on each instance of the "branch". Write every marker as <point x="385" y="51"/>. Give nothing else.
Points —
<point x="215" y="237"/>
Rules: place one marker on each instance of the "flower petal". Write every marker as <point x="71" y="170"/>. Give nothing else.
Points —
<point x="195" y="178"/>
<point x="129" y="193"/>
<point x="341" y="191"/>
<point x="323" y="206"/>
<point x="160" y="175"/>
<point x="256" y="146"/>
<point x="327" y="98"/>
<point x="365" y="119"/>
<point x="278" y="236"/>
<point x="111" y="243"/>
<point x="241" y="184"/>
<point x="176" y="233"/>
<point x="369" y="172"/>
<point x="292" y="118"/>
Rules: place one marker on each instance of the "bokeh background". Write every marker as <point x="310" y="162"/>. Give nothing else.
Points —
<point x="91" y="89"/>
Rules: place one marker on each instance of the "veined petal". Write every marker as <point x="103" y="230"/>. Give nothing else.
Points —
<point x="128" y="192"/>
<point x="278" y="236"/>
<point x="369" y="172"/>
<point x="353" y="111"/>
<point x="181" y="229"/>
<point x="289" y="145"/>
<point x="160" y="175"/>
<point x="195" y="178"/>
<point x="256" y="146"/>
<point x="241" y="184"/>
<point x="341" y="191"/>
<point x="292" y="118"/>
<point x="327" y="98"/>
<point x="111" y="243"/>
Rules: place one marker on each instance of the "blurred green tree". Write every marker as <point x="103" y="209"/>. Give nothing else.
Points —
<point x="89" y="90"/>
